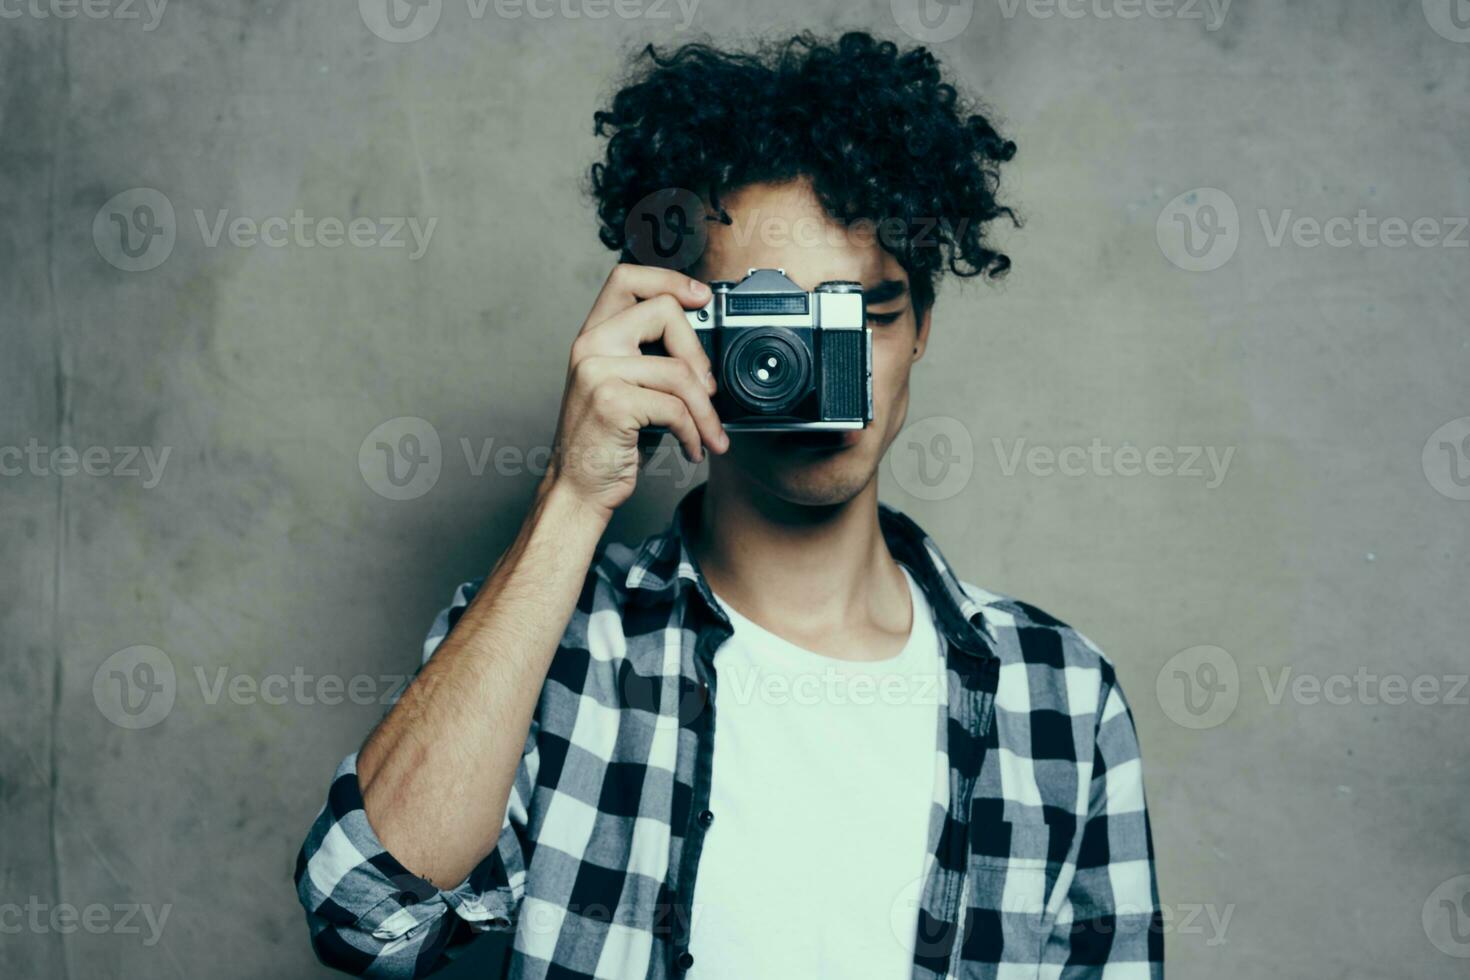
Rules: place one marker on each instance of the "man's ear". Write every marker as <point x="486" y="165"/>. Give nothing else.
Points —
<point x="921" y="336"/>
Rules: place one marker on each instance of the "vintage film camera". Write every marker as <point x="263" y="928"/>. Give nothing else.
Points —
<point x="786" y="359"/>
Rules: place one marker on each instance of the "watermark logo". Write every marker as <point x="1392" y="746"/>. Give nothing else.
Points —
<point x="933" y="458"/>
<point x="1363" y="230"/>
<point x="144" y="463"/>
<point x="589" y="10"/>
<point x="1199" y="687"/>
<point x="135" y="688"/>
<point x="40" y="918"/>
<point x="1025" y="886"/>
<point x="932" y="21"/>
<point x="667" y="229"/>
<point x="1212" y="12"/>
<point x="400" y="21"/>
<point x="1207" y="463"/>
<point x="302" y="230"/>
<point x="402" y="458"/>
<point x="405" y="21"/>
<point x="1446" y="917"/>
<point x="121" y="10"/>
<point x="135" y="230"/>
<point x="1364" y="687"/>
<point x="1450" y="19"/>
<point x="1199" y="230"/>
<point x="921" y="934"/>
<point x="1446" y="459"/>
<point x="138" y="687"/>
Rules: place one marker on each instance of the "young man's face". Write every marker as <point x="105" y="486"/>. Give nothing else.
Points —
<point x="782" y="226"/>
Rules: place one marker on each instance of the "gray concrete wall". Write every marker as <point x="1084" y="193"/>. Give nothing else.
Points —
<point x="1297" y="837"/>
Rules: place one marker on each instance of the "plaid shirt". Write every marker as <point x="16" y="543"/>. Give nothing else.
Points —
<point x="1040" y="860"/>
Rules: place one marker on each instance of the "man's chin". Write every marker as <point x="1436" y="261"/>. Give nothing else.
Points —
<point x="807" y="468"/>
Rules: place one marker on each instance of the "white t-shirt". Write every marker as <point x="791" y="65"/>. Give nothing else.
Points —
<point x="823" y="774"/>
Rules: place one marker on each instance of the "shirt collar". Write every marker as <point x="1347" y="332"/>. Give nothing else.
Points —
<point x="663" y="567"/>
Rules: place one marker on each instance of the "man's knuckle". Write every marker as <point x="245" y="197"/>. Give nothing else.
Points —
<point x="604" y="392"/>
<point x="584" y="370"/>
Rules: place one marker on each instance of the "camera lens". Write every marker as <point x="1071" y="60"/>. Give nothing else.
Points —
<point x="767" y="370"/>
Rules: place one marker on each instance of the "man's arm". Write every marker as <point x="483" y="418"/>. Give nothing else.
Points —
<point x="1111" y="924"/>
<point x="447" y="753"/>
<point x="436" y="774"/>
<point x="421" y="819"/>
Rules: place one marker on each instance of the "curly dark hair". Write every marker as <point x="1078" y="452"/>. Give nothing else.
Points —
<point x="876" y="130"/>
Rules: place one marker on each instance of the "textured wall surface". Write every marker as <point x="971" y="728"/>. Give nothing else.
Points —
<point x="1232" y="451"/>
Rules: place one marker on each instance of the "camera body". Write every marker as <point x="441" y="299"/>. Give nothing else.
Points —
<point x="786" y="359"/>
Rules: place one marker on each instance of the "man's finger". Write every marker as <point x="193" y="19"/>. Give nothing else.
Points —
<point x="629" y="284"/>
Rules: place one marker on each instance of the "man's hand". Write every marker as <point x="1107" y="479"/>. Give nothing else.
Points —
<point x="614" y="389"/>
<point x="434" y="794"/>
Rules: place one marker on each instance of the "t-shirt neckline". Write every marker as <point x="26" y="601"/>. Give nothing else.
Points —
<point x="919" y="628"/>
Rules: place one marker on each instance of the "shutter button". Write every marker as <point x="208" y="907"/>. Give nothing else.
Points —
<point x="706" y="818"/>
<point x="683" y="961"/>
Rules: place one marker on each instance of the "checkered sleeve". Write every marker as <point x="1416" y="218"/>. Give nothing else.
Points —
<point x="371" y="916"/>
<point x="1111" y="925"/>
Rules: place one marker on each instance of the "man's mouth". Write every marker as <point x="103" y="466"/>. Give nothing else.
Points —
<point x="817" y="441"/>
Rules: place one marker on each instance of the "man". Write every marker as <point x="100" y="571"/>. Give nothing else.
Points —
<point x="610" y="753"/>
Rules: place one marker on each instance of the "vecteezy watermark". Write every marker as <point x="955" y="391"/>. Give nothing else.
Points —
<point x="403" y="458"/>
<point x="127" y="462"/>
<point x="1200" y="230"/>
<point x="405" y="21"/>
<point x="1364" y="687"/>
<point x="826" y="686"/>
<point x="1127" y="460"/>
<point x="670" y="228"/>
<point x="932" y="21"/>
<point x="1363" y="230"/>
<point x="119" y="919"/>
<point x="1446" y="459"/>
<point x="1199" y="687"/>
<point x="1450" y="19"/>
<point x="401" y="21"/>
<point x="298" y="687"/>
<point x="136" y="231"/>
<point x="933" y="458"/>
<point x="1026" y="916"/>
<point x="137" y="688"/>
<point x="829" y="686"/>
<point x="124" y="10"/>
<point x="301" y="230"/>
<point x="1211" y="12"/>
<point x="1446" y="917"/>
<point x="667" y="228"/>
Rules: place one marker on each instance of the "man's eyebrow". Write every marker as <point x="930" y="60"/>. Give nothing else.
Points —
<point x="885" y="292"/>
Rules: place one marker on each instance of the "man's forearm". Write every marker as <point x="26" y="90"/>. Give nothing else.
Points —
<point x="437" y="773"/>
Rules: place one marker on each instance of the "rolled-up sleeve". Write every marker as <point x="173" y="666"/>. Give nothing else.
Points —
<point x="371" y="916"/>
<point x="1112" y="924"/>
